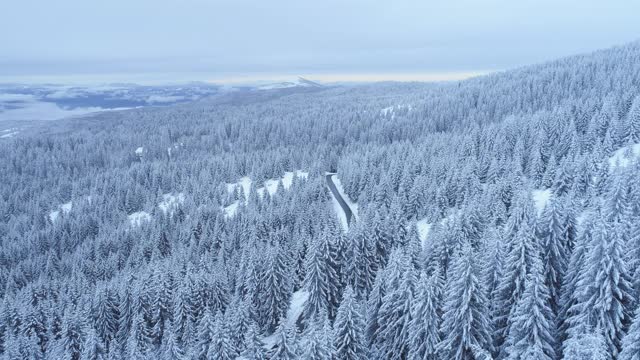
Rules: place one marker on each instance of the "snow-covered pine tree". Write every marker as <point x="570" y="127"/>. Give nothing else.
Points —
<point x="276" y="291"/>
<point x="532" y="330"/>
<point x="171" y="348"/>
<point x="92" y="349"/>
<point x="349" y="340"/>
<point x="568" y="295"/>
<point x="465" y="325"/>
<point x="316" y="282"/>
<point x="631" y="341"/>
<point x="604" y="288"/>
<point x="361" y="265"/>
<point x="394" y="316"/>
<point x="285" y="347"/>
<point x="315" y="345"/>
<point x="206" y="333"/>
<point x="220" y="346"/>
<point x="555" y="249"/>
<point x="517" y="265"/>
<point x="254" y="347"/>
<point x="424" y="329"/>
<point x="587" y="345"/>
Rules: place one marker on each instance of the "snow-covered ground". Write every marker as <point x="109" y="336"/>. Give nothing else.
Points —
<point x="7" y="133"/>
<point x="540" y="199"/>
<point x="64" y="208"/>
<point x="137" y="218"/>
<point x="424" y="227"/>
<point x="231" y="210"/>
<point x="296" y="306"/>
<point x="170" y="202"/>
<point x="270" y="186"/>
<point x="625" y="156"/>
<point x="392" y="110"/>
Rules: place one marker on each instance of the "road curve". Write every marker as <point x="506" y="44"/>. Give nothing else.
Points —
<point x="336" y="194"/>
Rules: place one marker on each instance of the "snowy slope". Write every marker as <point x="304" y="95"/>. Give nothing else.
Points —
<point x="270" y="186"/>
<point x="625" y="156"/>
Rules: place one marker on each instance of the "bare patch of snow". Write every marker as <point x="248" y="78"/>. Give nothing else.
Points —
<point x="66" y="207"/>
<point x="244" y="183"/>
<point x="170" y="202"/>
<point x="287" y="179"/>
<point x="540" y="199"/>
<point x="298" y="299"/>
<point x="296" y="307"/>
<point x="231" y="210"/>
<point x="8" y="134"/>
<point x="392" y="109"/>
<point x="625" y="156"/>
<point x="160" y="99"/>
<point x="62" y="208"/>
<point x="53" y="216"/>
<point x="137" y="218"/>
<point x="424" y="227"/>
<point x="270" y="186"/>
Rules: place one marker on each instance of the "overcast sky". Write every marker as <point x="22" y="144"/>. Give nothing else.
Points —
<point x="235" y="40"/>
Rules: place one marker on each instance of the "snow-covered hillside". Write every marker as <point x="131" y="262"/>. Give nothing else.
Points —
<point x="491" y="218"/>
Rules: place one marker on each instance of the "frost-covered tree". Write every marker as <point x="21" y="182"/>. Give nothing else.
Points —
<point x="254" y="348"/>
<point x="588" y="345"/>
<point x="532" y="330"/>
<point x="604" y="288"/>
<point x="631" y="341"/>
<point x="349" y="341"/>
<point x="394" y="316"/>
<point x="517" y="265"/>
<point x="465" y="325"/>
<point x="555" y="248"/>
<point x="425" y="317"/>
<point x="285" y="346"/>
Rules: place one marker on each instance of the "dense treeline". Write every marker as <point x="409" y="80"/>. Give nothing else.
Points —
<point x="526" y="179"/>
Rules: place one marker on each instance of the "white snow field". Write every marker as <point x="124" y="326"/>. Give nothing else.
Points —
<point x="625" y="156"/>
<point x="540" y="199"/>
<point x="270" y="186"/>
<point x="424" y="227"/>
<point x="170" y="202"/>
<point x="137" y="218"/>
<point x="392" y="110"/>
<point x="64" y="208"/>
<point x="8" y="133"/>
<point x="296" y="306"/>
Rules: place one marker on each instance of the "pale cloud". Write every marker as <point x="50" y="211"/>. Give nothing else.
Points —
<point x="215" y="38"/>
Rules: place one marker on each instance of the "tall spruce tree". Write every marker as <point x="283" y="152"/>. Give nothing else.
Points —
<point x="424" y="329"/>
<point x="532" y="332"/>
<point x="604" y="288"/>
<point x="349" y="341"/>
<point x="465" y="326"/>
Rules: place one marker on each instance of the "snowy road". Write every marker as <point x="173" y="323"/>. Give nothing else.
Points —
<point x="336" y="194"/>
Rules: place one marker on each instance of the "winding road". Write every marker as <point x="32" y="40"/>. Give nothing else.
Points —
<point x="336" y="194"/>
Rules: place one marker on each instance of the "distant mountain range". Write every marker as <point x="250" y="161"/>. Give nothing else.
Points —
<point x="300" y="82"/>
<point x="56" y="101"/>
